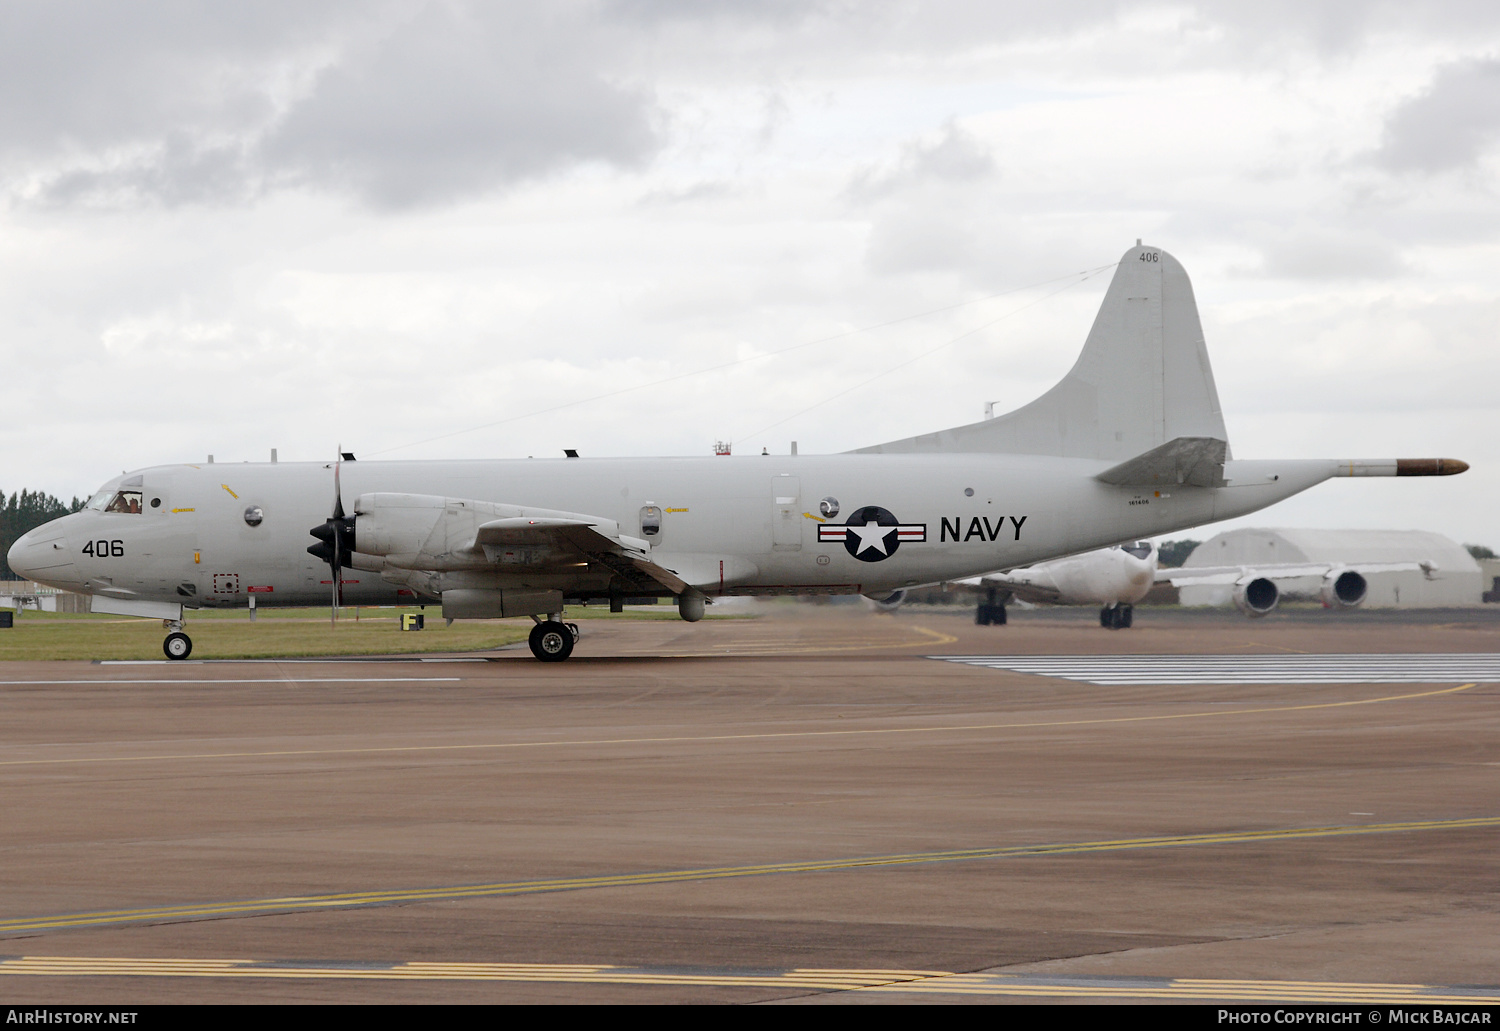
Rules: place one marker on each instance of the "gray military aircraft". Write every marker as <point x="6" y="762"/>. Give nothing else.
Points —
<point x="1130" y="444"/>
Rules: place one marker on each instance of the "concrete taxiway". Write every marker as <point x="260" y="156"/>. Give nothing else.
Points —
<point x="822" y="805"/>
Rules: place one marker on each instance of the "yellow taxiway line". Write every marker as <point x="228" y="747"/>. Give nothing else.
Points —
<point x="354" y="900"/>
<point x="927" y="982"/>
<point x="705" y="738"/>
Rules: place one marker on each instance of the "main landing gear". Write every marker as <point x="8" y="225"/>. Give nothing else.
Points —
<point x="178" y="645"/>
<point x="990" y="612"/>
<point x="1116" y="617"/>
<point x="551" y="639"/>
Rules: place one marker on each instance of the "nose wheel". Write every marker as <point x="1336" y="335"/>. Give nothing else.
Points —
<point x="178" y="645"/>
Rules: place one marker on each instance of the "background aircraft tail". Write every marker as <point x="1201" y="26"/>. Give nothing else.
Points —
<point x="1142" y="380"/>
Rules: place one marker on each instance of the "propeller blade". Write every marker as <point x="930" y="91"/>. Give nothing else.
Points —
<point x="336" y="560"/>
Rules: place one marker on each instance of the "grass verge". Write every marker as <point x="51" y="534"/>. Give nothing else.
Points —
<point x="275" y="633"/>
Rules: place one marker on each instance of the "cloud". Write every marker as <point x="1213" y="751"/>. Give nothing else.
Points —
<point x="956" y="156"/>
<point x="1319" y="252"/>
<point x="1450" y="124"/>
<point x="456" y="104"/>
<point x="400" y="105"/>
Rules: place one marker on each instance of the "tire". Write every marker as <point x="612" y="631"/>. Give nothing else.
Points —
<point x="573" y="629"/>
<point x="177" y="645"/>
<point x="997" y="615"/>
<point x="551" y="641"/>
<point x="1127" y="616"/>
<point x="1104" y="618"/>
<point x="982" y="615"/>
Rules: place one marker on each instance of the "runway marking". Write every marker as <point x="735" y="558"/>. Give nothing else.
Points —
<point x="255" y="680"/>
<point x="797" y="647"/>
<point x="179" y="663"/>
<point x="1120" y="670"/>
<point x="704" y="738"/>
<point x="792" y="645"/>
<point x="927" y="982"/>
<point x="364" y="899"/>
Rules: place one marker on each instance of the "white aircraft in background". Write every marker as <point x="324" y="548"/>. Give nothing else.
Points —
<point x="1130" y="444"/>
<point x="1116" y="578"/>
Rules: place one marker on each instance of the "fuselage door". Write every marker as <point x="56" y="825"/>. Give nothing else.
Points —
<point x="786" y="514"/>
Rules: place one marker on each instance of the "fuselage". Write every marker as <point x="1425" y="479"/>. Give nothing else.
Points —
<point x="216" y="534"/>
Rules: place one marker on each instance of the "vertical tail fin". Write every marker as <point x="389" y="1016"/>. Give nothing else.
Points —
<point x="1142" y="380"/>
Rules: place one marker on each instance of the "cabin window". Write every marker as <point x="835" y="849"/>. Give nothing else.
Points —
<point x="125" y="501"/>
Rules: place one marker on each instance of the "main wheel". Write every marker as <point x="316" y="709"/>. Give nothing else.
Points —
<point x="997" y="615"/>
<point x="982" y="615"/>
<point x="178" y="645"/>
<point x="1127" y="616"/>
<point x="1104" y="616"/>
<point x="551" y="641"/>
<point x="573" y="629"/>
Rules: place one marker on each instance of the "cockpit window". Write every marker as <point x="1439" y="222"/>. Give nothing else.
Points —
<point x="126" y="501"/>
<point x="99" y="502"/>
<point x="1140" y="549"/>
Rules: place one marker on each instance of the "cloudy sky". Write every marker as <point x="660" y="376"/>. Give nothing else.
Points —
<point x="640" y="226"/>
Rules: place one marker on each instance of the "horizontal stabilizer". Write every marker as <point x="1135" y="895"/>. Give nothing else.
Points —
<point x="1195" y="460"/>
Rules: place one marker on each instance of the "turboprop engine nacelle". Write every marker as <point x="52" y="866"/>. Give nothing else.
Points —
<point x="395" y="524"/>
<point x="1256" y="597"/>
<point x="1343" y="589"/>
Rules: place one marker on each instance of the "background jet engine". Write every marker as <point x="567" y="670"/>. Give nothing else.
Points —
<point x="886" y="602"/>
<point x="1256" y="597"/>
<point x="1343" y="589"/>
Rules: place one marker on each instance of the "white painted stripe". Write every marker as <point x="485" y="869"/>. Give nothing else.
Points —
<point x="262" y="680"/>
<point x="1246" y="669"/>
<point x="180" y="663"/>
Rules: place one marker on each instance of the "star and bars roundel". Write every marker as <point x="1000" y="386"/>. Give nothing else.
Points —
<point x="872" y="534"/>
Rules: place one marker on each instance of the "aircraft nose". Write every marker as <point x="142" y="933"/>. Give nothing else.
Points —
<point x="42" y="555"/>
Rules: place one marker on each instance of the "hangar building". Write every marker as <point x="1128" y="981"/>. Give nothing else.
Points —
<point x="1455" y="580"/>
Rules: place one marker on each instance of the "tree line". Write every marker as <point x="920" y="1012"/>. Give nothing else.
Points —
<point x="24" y="511"/>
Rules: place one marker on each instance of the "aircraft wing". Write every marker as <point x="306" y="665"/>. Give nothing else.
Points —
<point x="577" y="538"/>
<point x="431" y="534"/>
<point x="1207" y="575"/>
